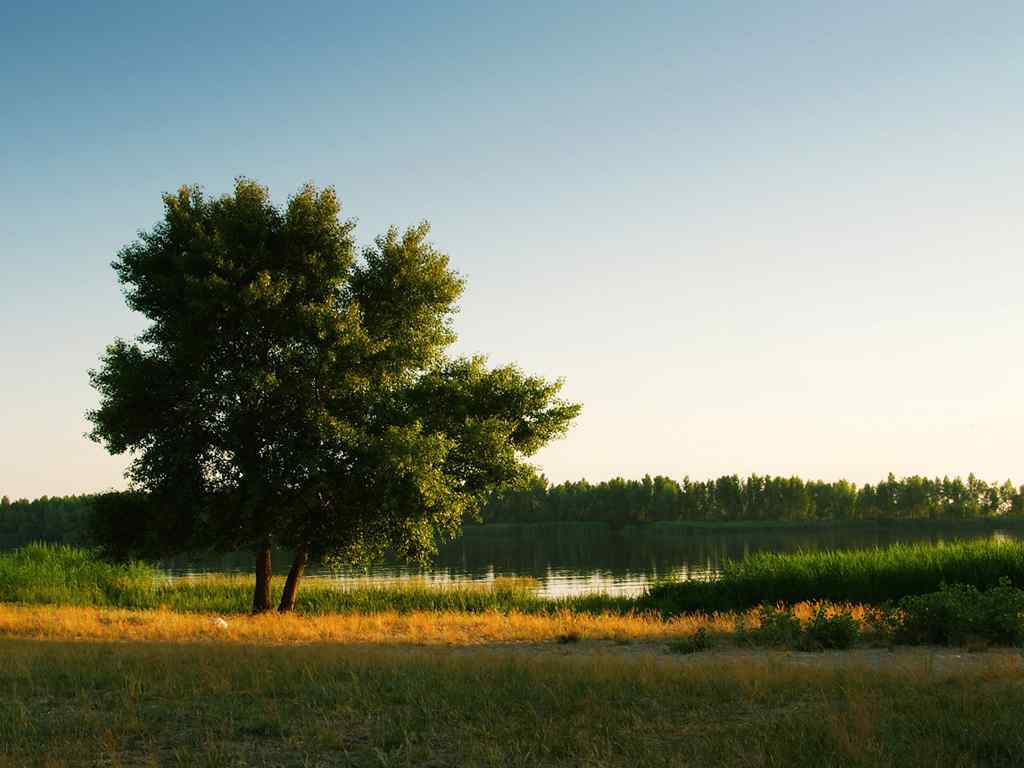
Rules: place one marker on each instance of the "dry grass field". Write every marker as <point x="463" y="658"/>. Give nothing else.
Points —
<point x="384" y="628"/>
<point x="215" y="701"/>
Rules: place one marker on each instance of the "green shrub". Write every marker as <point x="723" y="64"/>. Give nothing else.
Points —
<point x="777" y="627"/>
<point x="698" y="641"/>
<point x="961" y="613"/>
<point x="837" y="631"/>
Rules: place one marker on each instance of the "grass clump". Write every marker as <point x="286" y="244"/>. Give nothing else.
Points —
<point x="693" y="643"/>
<point x="868" y="576"/>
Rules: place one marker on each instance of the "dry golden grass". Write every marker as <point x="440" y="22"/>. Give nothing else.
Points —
<point x="388" y="628"/>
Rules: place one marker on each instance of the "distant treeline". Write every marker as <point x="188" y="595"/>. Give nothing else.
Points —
<point x="755" y="498"/>
<point x="67" y="519"/>
<point x="62" y="519"/>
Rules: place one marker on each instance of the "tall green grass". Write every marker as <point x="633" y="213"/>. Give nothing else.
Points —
<point x="57" y="574"/>
<point x="870" y="576"/>
<point x="50" y="573"/>
<point x="62" y="575"/>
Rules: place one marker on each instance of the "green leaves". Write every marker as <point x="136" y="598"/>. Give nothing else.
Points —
<point x="287" y="389"/>
<point x="407" y="296"/>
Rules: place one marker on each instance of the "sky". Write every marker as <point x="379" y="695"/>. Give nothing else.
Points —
<point x="782" y="238"/>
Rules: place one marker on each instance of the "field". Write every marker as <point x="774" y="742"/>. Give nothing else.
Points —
<point x="214" y="704"/>
<point x="114" y="665"/>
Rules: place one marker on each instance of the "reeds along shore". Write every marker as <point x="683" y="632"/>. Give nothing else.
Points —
<point x="60" y="575"/>
<point x="45" y="574"/>
<point x="870" y="576"/>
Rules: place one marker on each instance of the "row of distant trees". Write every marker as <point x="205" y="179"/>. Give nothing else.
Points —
<point x="725" y="499"/>
<point x="49" y="518"/>
<point x="756" y="498"/>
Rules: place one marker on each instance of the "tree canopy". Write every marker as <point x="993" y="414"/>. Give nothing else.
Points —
<point x="293" y="391"/>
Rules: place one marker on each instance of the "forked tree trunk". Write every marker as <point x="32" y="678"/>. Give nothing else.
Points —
<point x="261" y="596"/>
<point x="291" y="586"/>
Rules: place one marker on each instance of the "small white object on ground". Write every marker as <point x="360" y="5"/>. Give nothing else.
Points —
<point x="220" y="623"/>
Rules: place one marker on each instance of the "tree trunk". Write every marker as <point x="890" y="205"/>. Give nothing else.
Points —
<point x="261" y="596"/>
<point x="291" y="586"/>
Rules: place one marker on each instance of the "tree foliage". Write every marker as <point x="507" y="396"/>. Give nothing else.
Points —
<point x="293" y="391"/>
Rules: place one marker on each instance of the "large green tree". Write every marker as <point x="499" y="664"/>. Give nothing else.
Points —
<point x="292" y="392"/>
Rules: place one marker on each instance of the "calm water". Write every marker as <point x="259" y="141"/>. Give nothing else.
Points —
<point x="573" y="558"/>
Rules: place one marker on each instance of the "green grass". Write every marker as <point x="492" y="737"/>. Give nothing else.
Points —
<point x="870" y="576"/>
<point x="45" y="574"/>
<point x="55" y="574"/>
<point x="59" y="574"/>
<point x="214" y="706"/>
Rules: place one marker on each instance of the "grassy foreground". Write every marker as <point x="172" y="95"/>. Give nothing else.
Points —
<point x="151" y="704"/>
<point x="492" y="676"/>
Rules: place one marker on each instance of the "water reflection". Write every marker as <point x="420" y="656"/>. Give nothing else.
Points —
<point x="569" y="558"/>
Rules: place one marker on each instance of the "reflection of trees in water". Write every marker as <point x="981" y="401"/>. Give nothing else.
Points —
<point x="655" y="550"/>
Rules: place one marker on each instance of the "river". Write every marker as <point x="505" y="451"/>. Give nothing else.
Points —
<point x="572" y="558"/>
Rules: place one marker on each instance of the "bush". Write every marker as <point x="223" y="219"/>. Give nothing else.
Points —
<point x="838" y="631"/>
<point x="959" y="614"/>
<point x="698" y="641"/>
<point x="882" y="622"/>
<point x="777" y="627"/>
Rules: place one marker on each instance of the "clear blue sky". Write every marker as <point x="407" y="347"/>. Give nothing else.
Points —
<point x="771" y="237"/>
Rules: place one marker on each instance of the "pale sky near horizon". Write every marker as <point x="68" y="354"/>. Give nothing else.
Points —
<point x="780" y="238"/>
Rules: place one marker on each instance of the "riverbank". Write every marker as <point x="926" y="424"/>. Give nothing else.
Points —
<point x="873" y="576"/>
<point x="57" y="575"/>
<point x="130" y="703"/>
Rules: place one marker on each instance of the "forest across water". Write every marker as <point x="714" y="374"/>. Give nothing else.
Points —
<point x="726" y="501"/>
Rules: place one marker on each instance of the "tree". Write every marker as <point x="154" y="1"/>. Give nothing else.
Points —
<point x="292" y="392"/>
